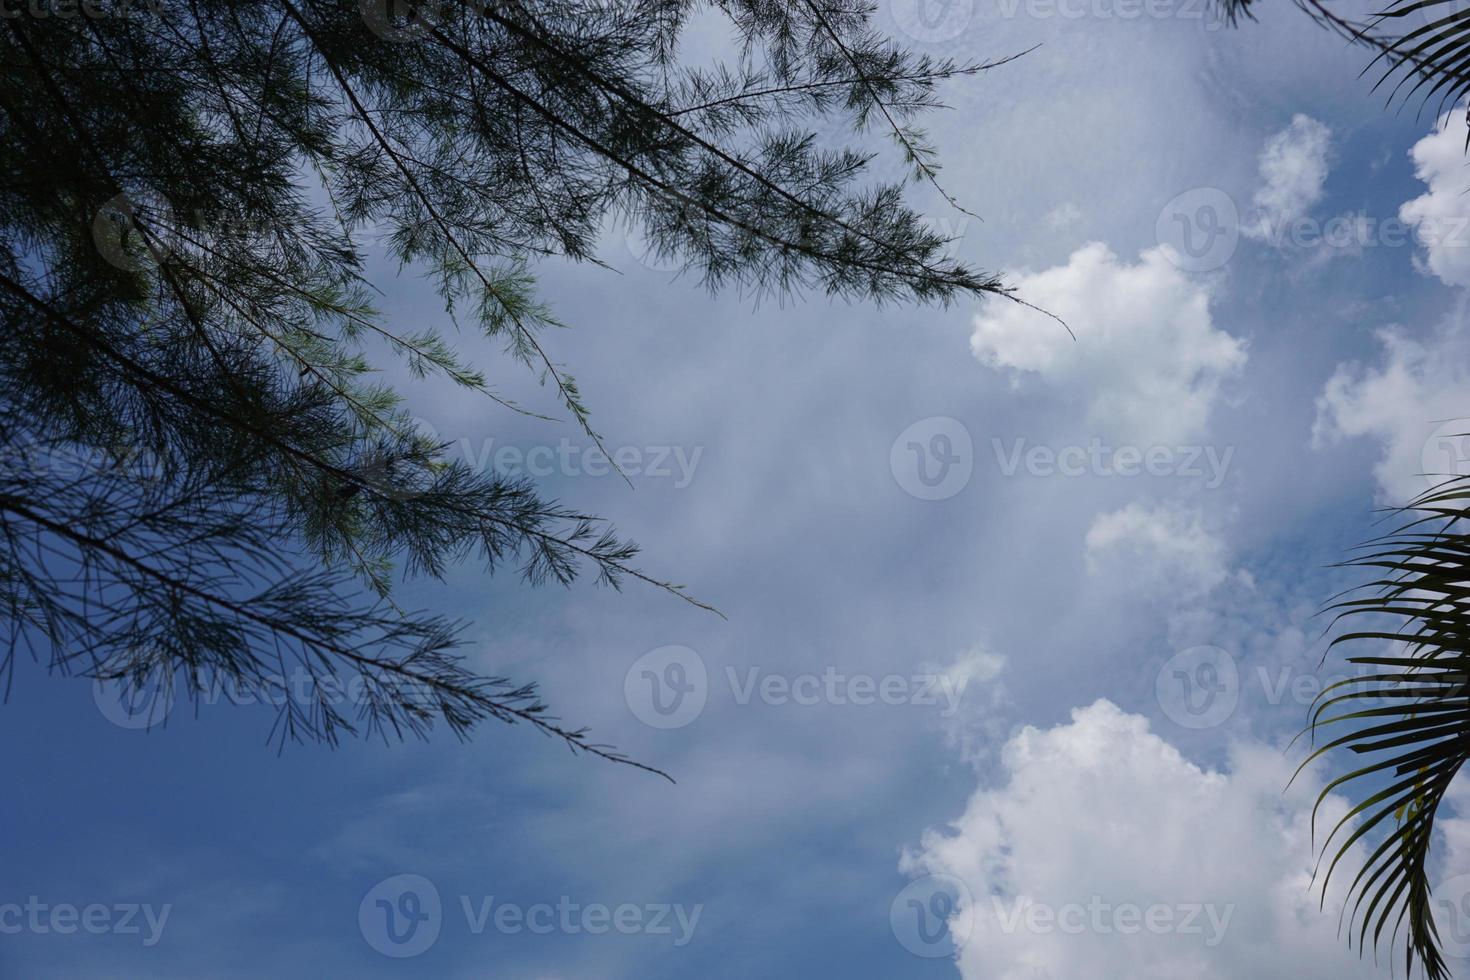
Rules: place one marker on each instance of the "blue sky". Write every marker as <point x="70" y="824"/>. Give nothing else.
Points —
<point x="1084" y="655"/>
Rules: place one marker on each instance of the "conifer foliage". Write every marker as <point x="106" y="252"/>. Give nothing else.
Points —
<point x="201" y="480"/>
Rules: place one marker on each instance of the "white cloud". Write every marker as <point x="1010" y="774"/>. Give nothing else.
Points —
<point x="1147" y="355"/>
<point x="1293" y="168"/>
<point x="1453" y="823"/>
<point x="1100" y="815"/>
<point x="1063" y="216"/>
<point x="1440" y="217"/>
<point x="1415" y="403"/>
<point x="975" y="664"/>
<point x="1156" y="548"/>
<point x="973" y="680"/>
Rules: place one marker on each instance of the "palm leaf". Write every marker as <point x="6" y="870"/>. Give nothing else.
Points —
<point x="1407" y="718"/>
<point x="1432" y="59"/>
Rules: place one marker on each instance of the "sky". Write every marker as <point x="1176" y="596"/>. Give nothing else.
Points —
<point x="1017" y="627"/>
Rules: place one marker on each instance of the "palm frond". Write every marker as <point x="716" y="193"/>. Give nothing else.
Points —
<point x="1432" y="60"/>
<point x="1407" y="717"/>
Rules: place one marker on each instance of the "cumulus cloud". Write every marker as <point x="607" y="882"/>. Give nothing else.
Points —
<point x="1293" y="168"/>
<point x="1157" y="548"/>
<point x="1440" y="217"/>
<point x="1106" y="853"/>
<point x="1415" y="402"/>
<point x="1148" y="356"/>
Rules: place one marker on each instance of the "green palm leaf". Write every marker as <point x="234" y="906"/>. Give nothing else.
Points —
<point x="1434" y="57"/>
<point x="1407" y="717"/>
